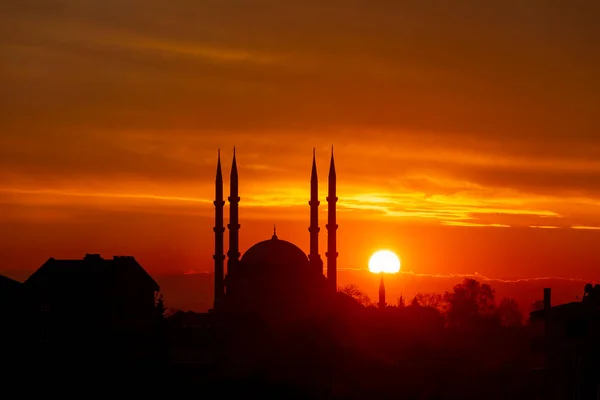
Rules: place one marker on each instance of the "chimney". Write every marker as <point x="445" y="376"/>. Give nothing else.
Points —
<point x="547" y="298"/>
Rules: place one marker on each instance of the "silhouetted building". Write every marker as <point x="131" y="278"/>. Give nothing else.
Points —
<point x="314" y="256"/>
<point x="274" y="278"/>
<point x="11" y="307"/>
<point x="401" y="301"/>
<point x="567" y="347"/>
<point x="91" y="309"/>
<point x="118" y="290"/>
<point x="382" y="303"/>
<point x="332" y="227"/>
<point x="10" y="293"/>
<point x="201" y="341"/>
<point x="219" y="229"/>
<point x="192" y="337"/>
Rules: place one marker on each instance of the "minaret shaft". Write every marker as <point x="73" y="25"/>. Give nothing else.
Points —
<point x="219" y="229"/>
<point x="332" y="226"/>
<point x="314" y="229"/>
<point x="233" y="254"/>
<point x="382" y="303"/>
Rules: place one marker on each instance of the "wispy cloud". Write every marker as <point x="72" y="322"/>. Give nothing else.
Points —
<point x="473" y="224"/>
<point x="191" y="49"/>
<point x="479" y="277"/>
<point x="148" y="93"/>
<point x="51" y="192"/>
<point x="495" y="279"/>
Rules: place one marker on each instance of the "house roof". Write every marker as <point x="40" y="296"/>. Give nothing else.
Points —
<point x="91" y="271"/>
<point x="8" y="285"/>
<point x="569" y="310"/>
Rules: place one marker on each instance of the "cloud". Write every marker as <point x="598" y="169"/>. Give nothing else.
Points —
<point x="35" y="194"/>
<point x="478" y="276"/>
<point x="435" y="114"/>
<point x="474" y="224"/>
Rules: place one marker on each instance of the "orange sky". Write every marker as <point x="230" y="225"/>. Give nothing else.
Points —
<point x="457" y="128"/>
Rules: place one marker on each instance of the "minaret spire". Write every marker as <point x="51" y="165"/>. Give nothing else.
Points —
<point x="219" y="256"/>
<point x="314" y="257"/>
<point x="332" y="226"/>
<point x="382" y="293"/>
<point x="233" y="254"/>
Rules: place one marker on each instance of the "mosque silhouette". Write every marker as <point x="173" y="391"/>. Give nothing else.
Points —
<point x="274" y="278"/>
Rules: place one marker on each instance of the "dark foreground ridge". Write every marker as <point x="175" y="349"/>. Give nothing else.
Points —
<point x="101" y="323"/>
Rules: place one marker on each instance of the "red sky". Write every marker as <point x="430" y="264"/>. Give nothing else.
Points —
<point x="458" y="129"/>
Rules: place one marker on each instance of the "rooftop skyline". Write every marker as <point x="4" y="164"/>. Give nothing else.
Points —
<point x="466" y="136"/>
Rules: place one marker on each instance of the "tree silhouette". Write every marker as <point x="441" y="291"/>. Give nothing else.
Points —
<point x="591" y="294"/>
<point x="434" y="300"/>
<point x="353" y="291"/>
<point x="509" y="313"/>
<point x="468" y="302"/>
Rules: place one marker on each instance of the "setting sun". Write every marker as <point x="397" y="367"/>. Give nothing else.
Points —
<point x="384" y="261"/>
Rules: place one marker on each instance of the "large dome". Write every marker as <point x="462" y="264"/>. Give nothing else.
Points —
<point x="274" y="279"/>
<point x="275" y="253"/>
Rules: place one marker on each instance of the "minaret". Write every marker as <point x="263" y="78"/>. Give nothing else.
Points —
<point x="219" y="229"/>
<point x="233" y="255"/>
<point x="381" y="303"/>
<point x="331" y="228"/>
<point x="314" y="257"/>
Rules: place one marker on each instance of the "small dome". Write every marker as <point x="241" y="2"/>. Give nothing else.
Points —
<point x="275" y="252"/>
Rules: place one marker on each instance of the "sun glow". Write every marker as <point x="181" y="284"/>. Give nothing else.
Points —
<point x="384" y="261"/>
